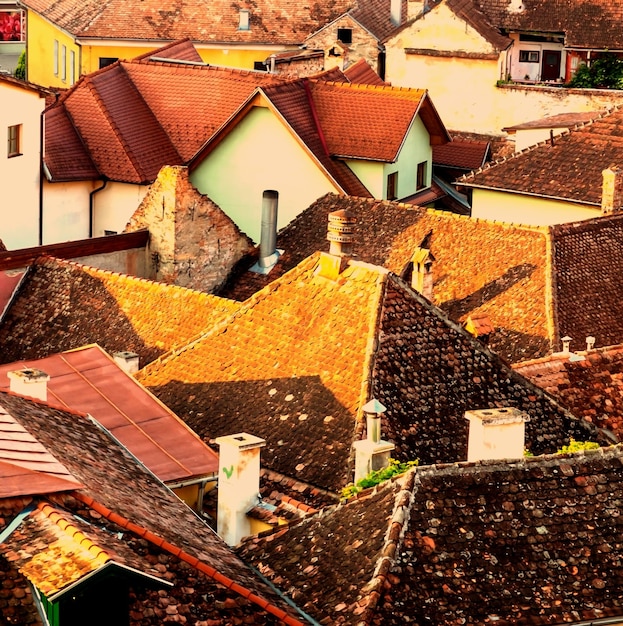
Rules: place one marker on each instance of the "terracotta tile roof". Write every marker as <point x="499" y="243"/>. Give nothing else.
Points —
<point x="591" y="387"/>
<point x="9" y="282"/>
<point x="562" y="120"/>
<point x="571" y="169"/>
<point x="26" y="467"/>
<point x="63" y="305"/>
<point x="278" y="23"/>
<point x="123" y="492"/>
<point x="299" y="359"/>
<point x="524" y="535"/>
<point x="127" y="120"/>
<point x="467" y="155"/>
<point x="585" y="25"/>
<point x="55" y="549"/>
<point x="510" y="286"/>
<point x="588" y="260"/>
<point x="362" y="73"/>
<point x="90" y="382"/>
<point x="375" y="16"/>
<point x="180" y="50"/>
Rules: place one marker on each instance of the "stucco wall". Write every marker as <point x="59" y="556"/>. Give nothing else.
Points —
<point x="260" y="154"/>
<point x="531" y="210"/>
<point x="19" y="175"/>
<point x="114" y="206"/>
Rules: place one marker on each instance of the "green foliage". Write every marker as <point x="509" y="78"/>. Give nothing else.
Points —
<point x="606" y="72"/>
<point x="394" y="468"/>
<point x="20" y="70"/>
<point x="527" y="453"/>
<point x="576" y="446"/>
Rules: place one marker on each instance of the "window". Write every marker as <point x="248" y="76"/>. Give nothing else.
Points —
<point x="11" y="25"/>
<point x="420" y="182"/>
<point x="260" y="66"/>
<point x="244" y="23"/>
<point x="72" y="67"/>
<point x="104" y="61"/>
<point x="63" y="62"/>
<point x="14" y="141"/>
<point x="345" y="35"/>
<point x="55" y="57"/>
<point x="108" y="233"/>
<point x="528" y="56"/>
<point x="392" y="186"/>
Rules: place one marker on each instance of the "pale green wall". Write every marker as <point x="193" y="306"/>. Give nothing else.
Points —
<point x="260" y="154"/>
<point x="518" y="209"/>
<point x="416" y="149"/>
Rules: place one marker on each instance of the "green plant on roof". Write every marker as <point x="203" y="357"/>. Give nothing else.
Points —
<point x="576" y="446"/>
<point x="527" y="453"/>
<point x="395" y="468"/>
<point x="20" y="70"/>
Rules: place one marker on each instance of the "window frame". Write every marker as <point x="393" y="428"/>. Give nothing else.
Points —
<point x="56" y="52"/>
<point x="63" y="67"/>
<point x="344" y="31"/>
<point x="392" y="186"/>
<point x="529" y="56"/>
<point x="72" y="67"/>
<point x="420" y="176"/>
<point x="14" y="141"/>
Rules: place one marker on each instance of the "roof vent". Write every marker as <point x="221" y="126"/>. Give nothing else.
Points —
<point x="590" y="343"/>
<point x="341" y="232"/>
<point x="269" y="255"/>
<point x="372" y="453"/>
<point x="30" y="382"/>
<point x="566" y="343"/>
<point x="127" y="361"/>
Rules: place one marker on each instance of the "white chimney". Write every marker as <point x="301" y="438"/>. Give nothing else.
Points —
<point x="238" y="485"/>
<point x="612" y="190"/>
<point x="590" y="343"/>
<point x="422" y="276"/>
<point x="496" y="434"/>
<point x="396" y="12"/>
<point x="372" y="453"/>
<point x="29" y="382"/>
<point x="127" y="361"/>
<point x="566" y="342"/>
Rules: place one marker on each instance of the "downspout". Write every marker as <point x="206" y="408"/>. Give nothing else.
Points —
<point x="91" y="203"/>
<point x="42" y="170"/>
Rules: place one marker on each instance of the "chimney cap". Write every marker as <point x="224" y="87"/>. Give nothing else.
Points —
<point x="29" y="374"/>
<point x="374" y="407"/>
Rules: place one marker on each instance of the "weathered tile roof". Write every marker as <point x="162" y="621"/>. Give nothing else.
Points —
<point x="538" y="538"/>
<point x="590" y="387"/>
<point x="121" y="491"/>
<point x="467" y="155"/>
<point x="592" y="25"/>
<point x="569" y="168"/>
<point x="26" y="467"/>
<point x="299" y="359"/>
<point x="88" y="381"/>
<point x="63" y="305"/>
<point x="180" y="50"/>
<point x="375" y="16"/>
<point x="562" y="120"/>
<point x="474" y="14"/>
<point x="362" y="73"/>
<point x="127" y="120"/>
<point x="510" y="286"/>
<point x="283" y="22"/>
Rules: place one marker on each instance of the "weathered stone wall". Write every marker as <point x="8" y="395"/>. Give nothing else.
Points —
<point x="192" y="242"/>
<point x="299" y="67"/>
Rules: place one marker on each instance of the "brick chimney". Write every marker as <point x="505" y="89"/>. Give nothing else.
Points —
<point x="372" y="453"/>
<point x="612" y="190"/>
<point x="29" y="382"/>
<point x="496" y="434"/>
<point x="238" y="484"/>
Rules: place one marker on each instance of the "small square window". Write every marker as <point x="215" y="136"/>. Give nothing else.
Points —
<point x="345" y="35"/>
<point x="421" y="176"/>
<point x="528" y="56"/>
<point x="105" y="61"/>
<point x="260" y="66"/>
<point x="14" y="147"/>
<point x="392" y="186"/>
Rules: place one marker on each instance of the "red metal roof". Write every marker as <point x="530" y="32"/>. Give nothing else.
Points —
<point x="89" y="381"/>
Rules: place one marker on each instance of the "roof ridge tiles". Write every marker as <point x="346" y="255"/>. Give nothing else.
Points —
<point x="504" y="225"/>
<point x="189" y="559"/>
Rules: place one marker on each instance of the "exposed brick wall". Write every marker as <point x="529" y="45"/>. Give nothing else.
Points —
<point x="192" y="242"/>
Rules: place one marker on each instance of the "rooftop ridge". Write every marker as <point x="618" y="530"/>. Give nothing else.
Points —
<point x="367" y="87"/>
<point x="187" y="558"/>
<point x="504" y="225"/>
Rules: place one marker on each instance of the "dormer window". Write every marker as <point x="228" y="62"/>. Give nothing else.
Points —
<point x="345" y="35"/>
<point x="245" y="23"/>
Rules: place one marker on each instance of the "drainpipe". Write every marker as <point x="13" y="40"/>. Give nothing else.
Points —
<point x="41" y="175"/>
<point x="91" y="203"/>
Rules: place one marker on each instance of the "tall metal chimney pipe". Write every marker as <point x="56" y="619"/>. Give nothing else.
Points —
<point x="268" y="237"/>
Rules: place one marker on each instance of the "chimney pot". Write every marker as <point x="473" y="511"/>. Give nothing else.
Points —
<point x="341" y="232"/>
<point x="590" y="343"/>
<point x="566" y="341"/>
<point x="373" y="410"/>
<point x="612" y="190"/>
<point x="496" y="434"/>
<point x="269" y="255"/>
<point x="127" y="361"/>
<point x="30" y="382"/>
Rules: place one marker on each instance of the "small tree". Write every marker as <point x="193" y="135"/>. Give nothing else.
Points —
<point x="20" y="70"/>
<point x="606" y="72"/>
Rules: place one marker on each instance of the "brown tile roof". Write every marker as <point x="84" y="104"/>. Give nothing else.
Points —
<point x="375" y="16"/>
<point x="299" y="359"/>
<point x="570" y="169"/>
<point x="63" y="305"/>
<point x="278" y="23"/>
<point x="474" y="14"/>
<point x="466" y="155"/>
<point x="125" y="121"/>
<point x="509" y="286"/>
<point x="88" y="381"/>
<point x="362" y="73"/>
<point x="591" y="387"/>
<point x="121" y="491"/>
<point x="179" y="50"/>
<point x="585" y="25"/>
<point x="562" y="120"/>
<point x="524" y="535"/>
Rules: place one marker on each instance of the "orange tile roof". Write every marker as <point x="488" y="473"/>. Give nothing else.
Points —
<point x="282" y="22"/>
<point x="26" y="466"/>
<point x="119" y="312"/>
<point x="87" y="380"/>
<point x="362" y="72"/>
